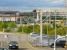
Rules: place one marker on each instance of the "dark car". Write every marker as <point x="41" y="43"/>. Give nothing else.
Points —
<point x="13" y="45"/>
<point x="3" y="49"/>
<point x="60" y="43"/>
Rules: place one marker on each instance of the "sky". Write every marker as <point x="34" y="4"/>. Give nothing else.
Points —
<point x="30" y="4"/>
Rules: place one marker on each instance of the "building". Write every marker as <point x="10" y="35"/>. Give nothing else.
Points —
<point x="48" y="14"/>
<point x="8" y="15"/>
<point x="13" y="16"/>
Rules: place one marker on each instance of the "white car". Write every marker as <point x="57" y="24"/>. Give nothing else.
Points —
<point x="33" y="36"/>
<point x="45" y="41"/>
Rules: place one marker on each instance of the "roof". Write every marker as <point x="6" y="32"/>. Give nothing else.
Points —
<point x="8" y="12"/>
<point x="26" y="14"/>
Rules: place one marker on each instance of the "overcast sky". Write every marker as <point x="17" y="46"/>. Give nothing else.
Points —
<point x="30" y="4"/>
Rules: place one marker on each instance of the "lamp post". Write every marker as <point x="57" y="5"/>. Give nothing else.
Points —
<point x="55" y="25"/>
<point x="41" y="27"/>
<point x="33" y="21"/>
<point x="55" y="31"/>
<point x="48" y="20"/>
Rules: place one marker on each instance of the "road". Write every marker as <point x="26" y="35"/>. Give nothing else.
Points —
<point x="22" y="42"/>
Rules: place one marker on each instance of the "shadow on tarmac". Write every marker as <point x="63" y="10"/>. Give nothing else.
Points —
<point x="19" y="49"/>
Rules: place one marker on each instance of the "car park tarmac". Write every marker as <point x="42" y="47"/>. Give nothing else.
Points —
<point x="23" y="43"/>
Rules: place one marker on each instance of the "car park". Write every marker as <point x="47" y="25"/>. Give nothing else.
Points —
<point x="46" y="41"/>
<point x="13" y="45"/>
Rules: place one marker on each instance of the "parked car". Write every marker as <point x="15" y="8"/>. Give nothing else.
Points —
<point x="13" y="45"/>
<point x="60" y="43"/>
<point x="4" y="49"/>
<point x="33" y="36"/>
<point x="44" y="41"/>
<point x="34" y="39"/>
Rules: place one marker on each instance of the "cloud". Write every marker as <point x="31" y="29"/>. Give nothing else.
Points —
<point x="30" y="4"/>
<point x="56" y="1"/>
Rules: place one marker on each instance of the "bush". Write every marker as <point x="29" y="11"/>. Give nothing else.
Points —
<point x="19" y="29"/>
<point x="6" y="25"/>
<point x="28" y="29"/>
<point x="37" y="28"/>
<point x="11" y="24"/>
<point x="7" y="30"/>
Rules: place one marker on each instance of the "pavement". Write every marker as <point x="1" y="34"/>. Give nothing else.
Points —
<point x="22" y="42"/>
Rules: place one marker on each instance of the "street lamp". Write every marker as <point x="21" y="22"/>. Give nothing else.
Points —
<point x="41" y="27"/>
<point x="33" y="21"/>
<point x="55" y="24"/>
